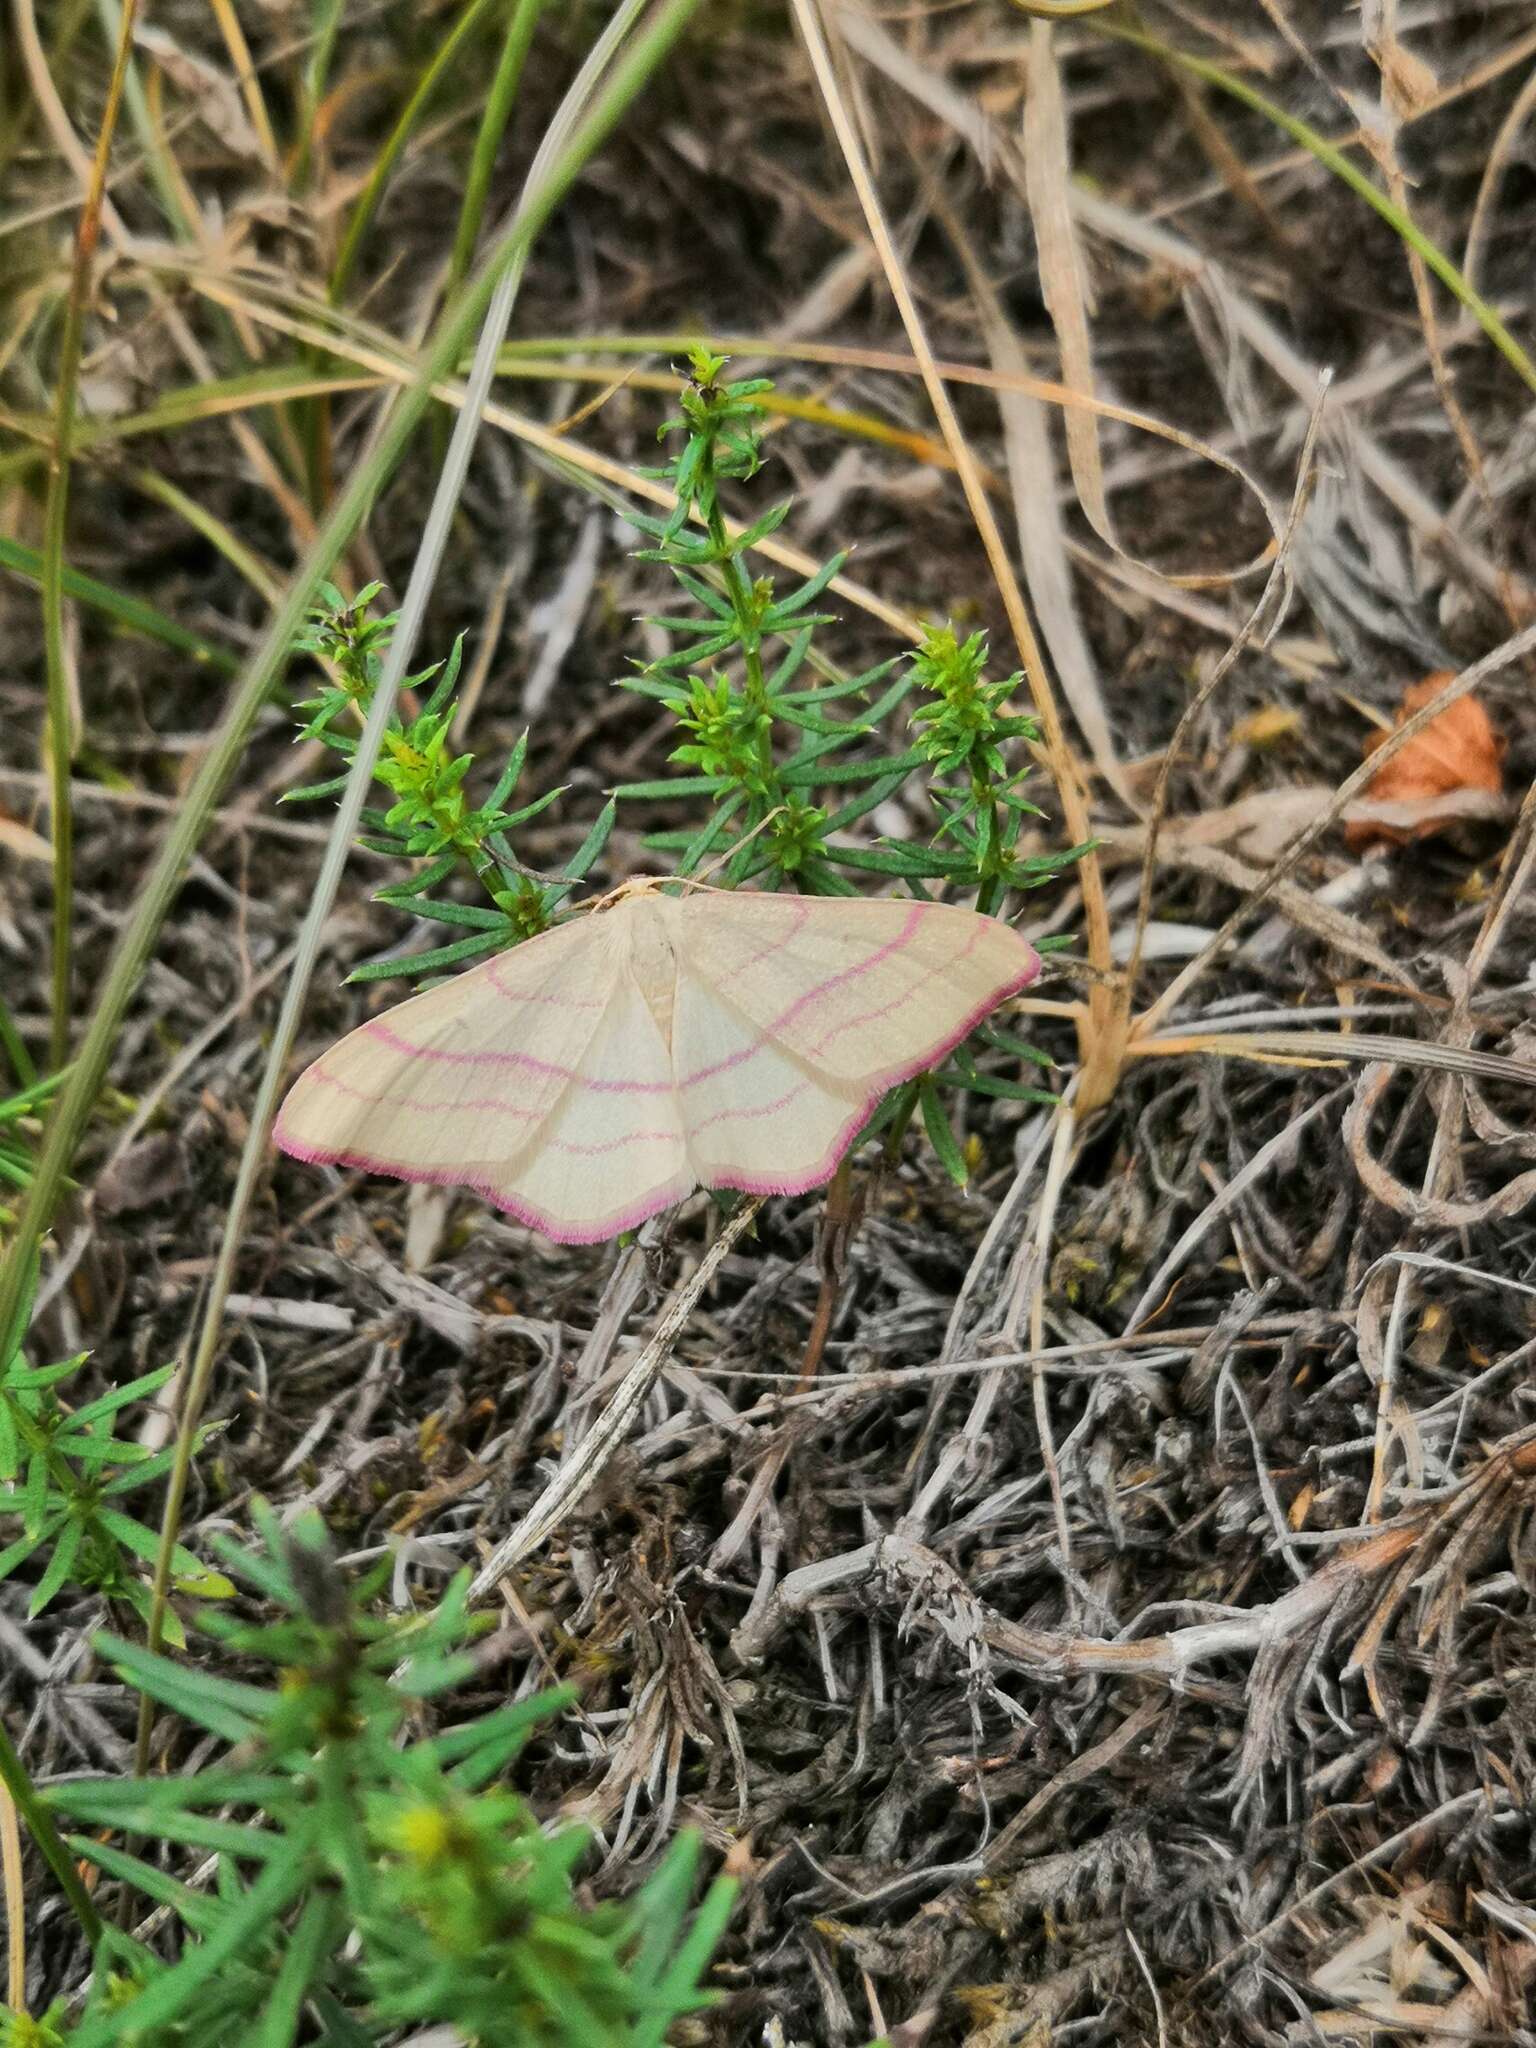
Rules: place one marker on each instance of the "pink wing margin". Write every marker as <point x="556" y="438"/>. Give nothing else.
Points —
<point x="453" y="1086"/>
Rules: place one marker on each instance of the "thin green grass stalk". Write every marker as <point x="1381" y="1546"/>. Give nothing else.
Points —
<point x="326" y="16"/>
<point x="151" y="142"/>
<point x="1334" y="159"/>
<point x="131" y="613"/>
<point x="317" y="413"/>
<point x="482" y="163"/>
<point x="11" y="1041"/>
<point x="493" y="126"/>
<point x="240" y="558"/>
<point x="60" y="739"/>
<point x="311" y="421"/>
<point x="571" y="141"/>
<point x="247" y="77"/>
<point x="384" y="163"/>
<point x="39" y="1823"/>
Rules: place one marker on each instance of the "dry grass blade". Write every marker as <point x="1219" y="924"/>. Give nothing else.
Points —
<point x="1329" y="1048"/>
<point x="15" y="1898"/>
<point x="1278" y="1151"/>
<point x="1076" y="399"/>
<point x="1042" y="537"/>
<point x="1063" y="279"/>
<point x="1102" y="1046"/>
<point x="1263" y="621"/>
<point x="1424" y="1206"/>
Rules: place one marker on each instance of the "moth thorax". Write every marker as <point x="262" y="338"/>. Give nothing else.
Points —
<point x="655" y="966"/>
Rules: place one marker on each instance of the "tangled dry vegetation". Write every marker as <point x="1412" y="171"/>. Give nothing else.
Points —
<point x="1126" y="1635"/>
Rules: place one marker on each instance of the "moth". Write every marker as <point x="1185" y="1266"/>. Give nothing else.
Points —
<point x="604" y="1070"/>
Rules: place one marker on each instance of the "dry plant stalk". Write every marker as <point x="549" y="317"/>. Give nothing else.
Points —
<point x="586" y="1463"/>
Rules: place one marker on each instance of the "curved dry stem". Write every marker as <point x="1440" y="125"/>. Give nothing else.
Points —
<point x="580" y="1473"/>
<point x="1260" y="624"/>
<point x="1103" y="1040"/>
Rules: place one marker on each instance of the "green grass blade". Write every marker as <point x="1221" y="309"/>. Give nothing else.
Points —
<point x="493" y="124"/>
<point x="60" y="743"/>
<point x="39" y="1824"/>
<point x="129" y="612"/>
<point x="1334" y="159"/>
<point x="384" y="163"/>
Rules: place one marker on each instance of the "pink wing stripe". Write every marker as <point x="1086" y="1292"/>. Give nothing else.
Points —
<point x="612" y="1144"/>
<point x="912" y="989"/>
<point x="811" y="997"/>
<point x="797" y="922"/>
<point x="527" y="1063"/>
<point x="515" y="995"/>
<point x="522" y="1060"/>
<point x="493" y="1103"/>
<point x="726" y="1116"/>
<point x="823" y="989"/>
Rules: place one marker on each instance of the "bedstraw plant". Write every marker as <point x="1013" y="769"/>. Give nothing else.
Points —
<point x="779" y="755"/>
<point x="65" y="1481"/>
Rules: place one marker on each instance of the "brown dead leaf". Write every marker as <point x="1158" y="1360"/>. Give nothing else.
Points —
<point x="1458" y="754"/>
<point x="1264" y="727"/>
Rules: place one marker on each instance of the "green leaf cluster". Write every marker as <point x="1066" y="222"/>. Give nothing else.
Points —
<point x="20" y="1112"/>
<point x="431" y="818"/>
<point x="787" y="755"/>
<point x="64" y="1482"/>
<point x="367" y="1878"/>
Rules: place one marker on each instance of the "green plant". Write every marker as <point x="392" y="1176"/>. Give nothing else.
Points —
<point x="19" y="1113"/>
<point x="64" y="1479"/>
<point x="769" y="752"/>
<point x="431" y="818"/>
<point x="767" y="758"/>
<point x="784" y="773"/>
<point x="366" y="1877"/>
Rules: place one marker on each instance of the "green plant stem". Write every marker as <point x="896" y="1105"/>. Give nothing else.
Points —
<point x="1334" y="159"/>
<point x="493" y="124"/>
<point x="548" y="182"/>
<point x="151" y="139"/>
<point x="482" y="163"/>
<point x="39" y="1821"/>
<point x="60" y="744"/>
<point x="384" y="163"/>
<point x="22" y="1063"/>
<point x="993" y="886"/>
<point x="326" y="16"/>
<point x="738" y="589"/>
